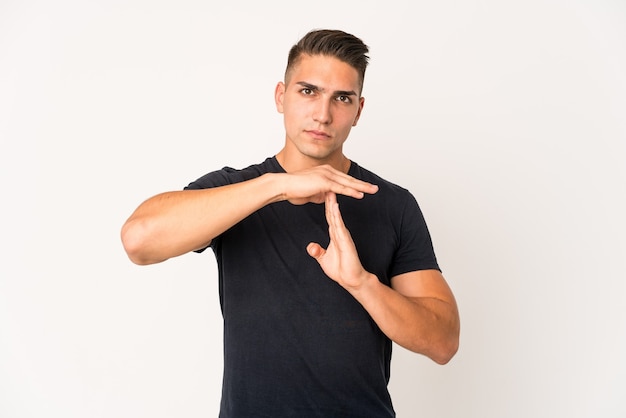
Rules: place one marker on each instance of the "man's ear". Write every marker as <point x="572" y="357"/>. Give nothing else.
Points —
<point x="358" y="113"/>
<point x="279" y="95"/>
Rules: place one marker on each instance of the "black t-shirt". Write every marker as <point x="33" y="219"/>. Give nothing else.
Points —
<point x="296" y="344"/>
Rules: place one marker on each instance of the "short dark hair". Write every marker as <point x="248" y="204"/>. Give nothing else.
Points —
<point x="335" y="43"/>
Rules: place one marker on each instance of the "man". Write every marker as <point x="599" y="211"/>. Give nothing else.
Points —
<point x="321" y="263"/>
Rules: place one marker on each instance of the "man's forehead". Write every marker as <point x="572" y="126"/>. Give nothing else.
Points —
<point x="325" y="73"/>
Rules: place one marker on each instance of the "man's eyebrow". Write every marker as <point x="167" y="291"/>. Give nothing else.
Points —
<point x="316" y="88"/>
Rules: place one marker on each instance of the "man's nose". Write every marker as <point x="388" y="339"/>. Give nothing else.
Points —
<point x="323" y="112"/>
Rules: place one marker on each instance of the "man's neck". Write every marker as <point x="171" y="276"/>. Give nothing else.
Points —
<point x="292" y="162"/>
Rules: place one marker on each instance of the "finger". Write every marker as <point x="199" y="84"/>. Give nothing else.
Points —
<point x="336" y="226"/>
<point x="336" y="214"/>
<point x="353" y="188"/>
<point x="335" y="221"/>
<point x="333" y="216"/>
<point x="343" y="238"/>
<point x="315" y="250"/>
<point x="350" y="186"/>
<point x="331" y="199"/>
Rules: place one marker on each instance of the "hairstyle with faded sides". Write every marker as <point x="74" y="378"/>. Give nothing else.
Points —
<point x="334" y="43"/>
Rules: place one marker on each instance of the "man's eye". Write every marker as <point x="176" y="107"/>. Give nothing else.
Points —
<point x="344" y="99"/>
<point x="306" y="91"/>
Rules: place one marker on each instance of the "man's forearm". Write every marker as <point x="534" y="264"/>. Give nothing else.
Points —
<point x="424" y="325"/>
<point x="174" y="223"/>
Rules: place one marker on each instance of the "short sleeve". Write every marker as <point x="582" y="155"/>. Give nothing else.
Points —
<point x="415" y="250"/>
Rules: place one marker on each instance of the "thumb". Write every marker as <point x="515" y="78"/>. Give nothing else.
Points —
<point x="315" y="250"/>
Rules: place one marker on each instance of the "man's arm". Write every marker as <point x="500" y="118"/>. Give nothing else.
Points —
<point x="418" y="311"/>
<point x="174" y="223"/>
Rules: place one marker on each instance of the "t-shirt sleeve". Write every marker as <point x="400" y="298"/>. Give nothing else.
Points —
<point x="415" y="251"/>
<point x="223" y="177"/>
<point x="214" y="179"/>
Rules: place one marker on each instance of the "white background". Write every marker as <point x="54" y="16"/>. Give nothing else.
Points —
<point x="506" y="119"/>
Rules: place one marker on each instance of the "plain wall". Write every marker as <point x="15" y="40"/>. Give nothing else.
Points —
<point x="506" y="119"/>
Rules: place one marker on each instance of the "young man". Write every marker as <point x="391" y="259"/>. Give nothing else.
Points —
<point x="321" y="262"/>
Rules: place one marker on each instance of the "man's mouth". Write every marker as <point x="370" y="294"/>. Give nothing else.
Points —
<point x="318" y="134"/>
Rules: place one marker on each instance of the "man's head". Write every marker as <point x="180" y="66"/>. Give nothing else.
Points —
<point x="320" y="98"/>
<point x="333" y="43"/>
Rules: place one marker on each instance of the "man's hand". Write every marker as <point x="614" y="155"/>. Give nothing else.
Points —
<point x="314" y="184"/>
<point x="340" y="261"/>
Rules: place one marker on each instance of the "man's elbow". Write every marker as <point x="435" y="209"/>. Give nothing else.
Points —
<point x="446" y="351"/>
<point x="134" y="237"/>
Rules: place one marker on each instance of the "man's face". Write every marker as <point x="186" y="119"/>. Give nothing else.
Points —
<point x="320" y="102"/>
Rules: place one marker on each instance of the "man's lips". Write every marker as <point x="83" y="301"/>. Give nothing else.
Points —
<point x="318" y="134"/>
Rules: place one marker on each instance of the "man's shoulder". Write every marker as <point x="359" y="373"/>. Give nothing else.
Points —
<point x="269" y="165"/>
<point x="230" y="175"/>
<point x="383" y="183"/>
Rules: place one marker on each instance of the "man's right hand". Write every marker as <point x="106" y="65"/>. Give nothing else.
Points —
<point x="312" y="185"/>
